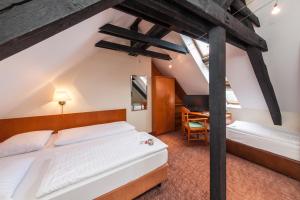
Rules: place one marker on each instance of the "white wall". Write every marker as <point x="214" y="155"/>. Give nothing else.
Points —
<point x="99" y="82"/>
<point x="26" y="72"/>
<point x="283" y="62"/>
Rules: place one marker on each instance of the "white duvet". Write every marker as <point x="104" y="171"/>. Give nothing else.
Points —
<point x="79" y="164"/>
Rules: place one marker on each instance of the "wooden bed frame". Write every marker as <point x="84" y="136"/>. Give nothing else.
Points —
<point x="137" y="187"/>
<point x="283" y="165"/>
<point x="10" y="127"/>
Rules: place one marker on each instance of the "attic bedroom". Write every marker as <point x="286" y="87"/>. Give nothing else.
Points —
<point x="149" y="100"/>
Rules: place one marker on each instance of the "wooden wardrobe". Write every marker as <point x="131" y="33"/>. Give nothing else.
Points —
<point x="163" y="104"/>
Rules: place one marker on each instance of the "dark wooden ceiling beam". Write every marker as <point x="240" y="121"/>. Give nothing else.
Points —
<point x="124" y="48"/>
<point x="29" y="22"/>
<point x="184" y="23"/>
<point x="155" y="16"/>
<point x="215" y="14"/>
<point x="245" y="12"/>
<point x="135" y="27"/>
<point x="155" y="31"/>
<point x="224" y="3"/>
<point x="132" y="35"/>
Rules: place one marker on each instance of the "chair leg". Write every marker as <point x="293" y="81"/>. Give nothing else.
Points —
<point x="206" y="138"/>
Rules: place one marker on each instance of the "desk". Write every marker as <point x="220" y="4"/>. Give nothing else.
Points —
<point x="206" y="114"/>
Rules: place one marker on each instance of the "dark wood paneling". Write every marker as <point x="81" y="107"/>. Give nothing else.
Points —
<point x="10" y="127"/>
<point x="217" y="68"/>
<point x="124" y="48"/>
<point x="30" y="22"/>
<point x="267" y="159"/>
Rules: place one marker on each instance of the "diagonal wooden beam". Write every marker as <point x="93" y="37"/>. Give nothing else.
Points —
<point x="216" y="15"/>
<point x="245" y="12"/>
<point x="124" y="48"/>
<point x="132" y="35"/>
<point x="262" y="76"/>
<point x="29" y="22"/>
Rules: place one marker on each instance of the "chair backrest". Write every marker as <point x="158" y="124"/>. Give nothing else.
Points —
<point x="184" y="114"/>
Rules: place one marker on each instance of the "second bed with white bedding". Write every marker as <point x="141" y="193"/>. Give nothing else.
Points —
<point x="275" y="140"/>
<point x="45" y="177"/>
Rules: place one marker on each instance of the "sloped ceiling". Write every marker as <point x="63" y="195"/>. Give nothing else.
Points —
<point x="25" y="72"/>
<point x="282" y="59"/>
<point x="184" y="68"/>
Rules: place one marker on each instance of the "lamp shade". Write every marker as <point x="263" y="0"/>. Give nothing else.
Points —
<point x="61" y="95"/>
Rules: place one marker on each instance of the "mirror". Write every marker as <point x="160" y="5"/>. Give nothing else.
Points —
<point x="138" y="92"/>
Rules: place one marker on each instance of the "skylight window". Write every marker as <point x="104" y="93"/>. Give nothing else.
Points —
<point x="203" y="47"/>
<point x="231" y="98"/>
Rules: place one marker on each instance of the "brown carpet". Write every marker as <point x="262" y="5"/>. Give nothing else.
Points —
<point x="189" y="177"/>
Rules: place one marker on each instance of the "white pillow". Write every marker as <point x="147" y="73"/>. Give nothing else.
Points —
<point x="75" y="135"/>
<point x="12" y="171"/>
<point x="24" y="143"/>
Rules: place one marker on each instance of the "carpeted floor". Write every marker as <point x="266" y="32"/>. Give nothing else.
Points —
<point x="189" y="177"/>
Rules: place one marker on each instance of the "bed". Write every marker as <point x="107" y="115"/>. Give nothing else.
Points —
<point x="129" y="174"/>
<point x="274" y="148"/>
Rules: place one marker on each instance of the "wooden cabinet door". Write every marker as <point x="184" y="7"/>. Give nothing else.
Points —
<point x="163" y="111"/>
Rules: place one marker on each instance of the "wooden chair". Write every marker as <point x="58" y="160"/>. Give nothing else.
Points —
<point x="194" y="125"/>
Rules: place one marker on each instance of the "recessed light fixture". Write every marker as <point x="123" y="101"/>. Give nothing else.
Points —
<point x="275" y="9"/>
<point x="170" y="66"/>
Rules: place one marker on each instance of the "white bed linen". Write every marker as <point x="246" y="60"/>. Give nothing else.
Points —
<point x="275" y="140"/>
<point x="24" y="143"/>
<point x="95" y="185"/>
<point x="12" y="171"/>
<point x="80" y="134"/>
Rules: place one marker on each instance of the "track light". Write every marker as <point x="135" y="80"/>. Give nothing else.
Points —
<point x="275" y="9"/>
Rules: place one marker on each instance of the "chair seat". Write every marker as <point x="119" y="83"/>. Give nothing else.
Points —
<point x="196" y="125"/>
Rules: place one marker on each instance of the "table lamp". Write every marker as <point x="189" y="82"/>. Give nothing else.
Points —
<point x="61" y="96"/>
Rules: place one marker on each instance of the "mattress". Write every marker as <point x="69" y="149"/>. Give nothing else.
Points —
<point x="90" y="187"/>
<point x="276" y="140"/>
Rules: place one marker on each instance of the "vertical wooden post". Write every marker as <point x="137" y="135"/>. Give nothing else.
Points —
<point x="217" y="69"/>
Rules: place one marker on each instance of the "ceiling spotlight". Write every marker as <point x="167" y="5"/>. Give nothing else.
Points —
<point x="170" y="66"/>
<point x="275" y="9"/>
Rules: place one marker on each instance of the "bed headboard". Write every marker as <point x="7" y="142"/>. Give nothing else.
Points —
<point x="10" y="127"/>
